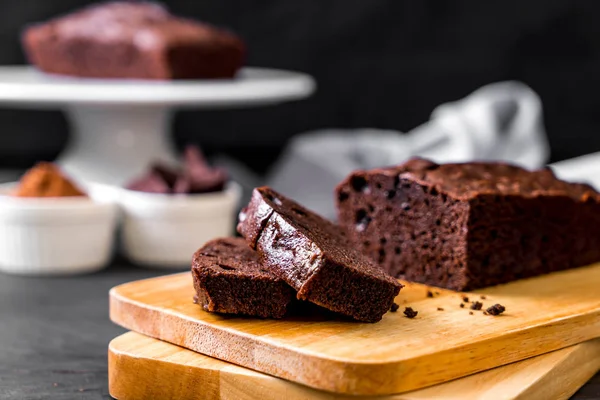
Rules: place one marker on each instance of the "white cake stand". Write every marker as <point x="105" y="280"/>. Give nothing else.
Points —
<point x="120" y="126"/>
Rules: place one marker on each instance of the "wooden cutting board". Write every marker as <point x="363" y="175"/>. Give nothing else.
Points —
<point x="140" y="367"/>
<point x="392" y="356"/>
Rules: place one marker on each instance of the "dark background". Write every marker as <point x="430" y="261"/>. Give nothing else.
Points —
<point x="378" y="63"/>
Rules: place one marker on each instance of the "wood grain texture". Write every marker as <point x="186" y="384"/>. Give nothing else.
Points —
<point x="393" y="356"/>
<point x="141" y="367"/>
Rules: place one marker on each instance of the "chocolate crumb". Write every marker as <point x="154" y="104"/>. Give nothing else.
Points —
<point x="462" y="305"/>
<point x="465" y="299"/>
<point x="485" y="313"/>
<point x="496" y="309"/>
<point x="429" y="293"/>
<point x="470" y="312"/>
<point x="394" y="307"/>
<point x="483" y="297"/>
<point x="476" y="305"/>
<point x="440" y="309"/>
<point x="405" y="301"/>
<point x="409" y="312"/>
<point x="436" y="292"/>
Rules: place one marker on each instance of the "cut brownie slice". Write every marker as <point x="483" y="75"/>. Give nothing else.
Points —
<point x="466" y="226"/>
<point x="312" y="255"/>
<point x="229" y="278"/>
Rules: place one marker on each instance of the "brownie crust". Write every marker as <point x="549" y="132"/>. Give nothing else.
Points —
<point x="314" y="257"/>
<point x="467" y="226"/>
<point x="139" y="40"/>
<point x="229" y="278"/>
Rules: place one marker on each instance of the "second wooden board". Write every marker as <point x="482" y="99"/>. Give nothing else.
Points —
<point x="140" y="367"/>
<point x="442" y="343"/>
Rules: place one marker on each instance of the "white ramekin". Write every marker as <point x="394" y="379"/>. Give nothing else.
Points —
<point x="164" y="231"/>
<point x="54" y="236"/>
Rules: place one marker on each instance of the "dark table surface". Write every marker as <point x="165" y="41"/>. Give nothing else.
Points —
<point x="54" y="334"/>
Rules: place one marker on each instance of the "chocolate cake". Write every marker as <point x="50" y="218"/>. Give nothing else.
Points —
<point x="132" y="40"/>
<point x="313" y="256"/>
<point x="467" y="226"/>
<point x="229" y="278"/>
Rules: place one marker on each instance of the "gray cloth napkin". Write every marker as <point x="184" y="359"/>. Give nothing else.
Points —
<point x="500" y="122"/>
<point x="581" y="169"/>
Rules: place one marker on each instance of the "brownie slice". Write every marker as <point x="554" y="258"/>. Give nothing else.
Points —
<point x="313" y="256"/>
<point x="229" y="278"/>
<point x="467" y="226"/>
<point x="132" y="40"/>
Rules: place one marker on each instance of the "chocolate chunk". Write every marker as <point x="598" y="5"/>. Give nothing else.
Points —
<point x="429" y="293"/>
<point x="155" y="181"/>
<point x="195" y="177"/>
<point x="465" y="299"/>
<point x="462" y="305"/>
<point x="394" y="307"/>
<point x="476" y="305"/>
<point x="198" y="176"/>
<point x="410" y="313"/>
<point x="168" y="175"/>
<point x="496" y="309"/>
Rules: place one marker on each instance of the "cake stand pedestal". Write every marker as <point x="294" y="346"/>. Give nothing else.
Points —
<point x="118" y="127"/>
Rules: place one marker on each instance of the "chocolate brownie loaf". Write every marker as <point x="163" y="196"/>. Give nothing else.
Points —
<point x="313" y="256"/>
<point x="229" y="278"/>
<point x="467" y="226"/>
<point x="132" y="40"/>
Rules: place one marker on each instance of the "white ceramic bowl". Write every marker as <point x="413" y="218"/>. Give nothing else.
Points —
<point x="164" y="231"/>
<point x="50" y="236"/>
